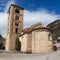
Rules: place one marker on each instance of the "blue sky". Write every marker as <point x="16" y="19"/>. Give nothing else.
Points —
<point x="45" y="11"/>
<point x="50" y="5"/>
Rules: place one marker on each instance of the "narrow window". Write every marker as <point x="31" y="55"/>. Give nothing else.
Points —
<point x="17" y="17"/>
<point x="16" y="24"/>
<point x="16" y="30"/>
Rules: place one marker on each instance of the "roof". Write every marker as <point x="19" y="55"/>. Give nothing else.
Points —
<point x="53" y="22"/>
<point x="15" y="6"/>
<point x="37" y="25"/>
<point x="34" y="27"/>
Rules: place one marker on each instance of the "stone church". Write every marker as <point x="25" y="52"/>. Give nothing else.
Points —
<point x="34" y="39"/>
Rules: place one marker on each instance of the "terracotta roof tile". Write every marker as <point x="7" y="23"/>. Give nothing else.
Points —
<point x="34" y="27"/>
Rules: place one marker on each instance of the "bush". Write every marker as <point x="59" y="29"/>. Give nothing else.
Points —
<point x="55" y="48"/>
<point x="17" y="44"/>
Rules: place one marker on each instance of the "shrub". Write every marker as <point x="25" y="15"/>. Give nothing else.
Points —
<point x="55" y="48"/>
<point x="17" y="44"/>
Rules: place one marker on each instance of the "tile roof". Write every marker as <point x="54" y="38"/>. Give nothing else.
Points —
<point x="34" y="27"/>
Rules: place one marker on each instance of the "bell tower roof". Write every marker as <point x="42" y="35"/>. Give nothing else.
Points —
<point x="15" y="6"/>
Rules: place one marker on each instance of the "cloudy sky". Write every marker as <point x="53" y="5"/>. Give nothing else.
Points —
<point x="45" y="11"/>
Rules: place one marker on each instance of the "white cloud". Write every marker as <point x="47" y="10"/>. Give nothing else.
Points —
<point x="30" y="18"/>
<point x="4" y="19"/>
<point x="3" y="23"/>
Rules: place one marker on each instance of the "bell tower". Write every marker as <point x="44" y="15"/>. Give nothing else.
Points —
<point x="15" y="25"/>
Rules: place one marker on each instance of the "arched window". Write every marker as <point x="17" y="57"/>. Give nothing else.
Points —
<point x="48" y="36"/>
<point x="17" y="11"/>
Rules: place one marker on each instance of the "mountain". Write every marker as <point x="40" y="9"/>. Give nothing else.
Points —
<point x="55" y="26"/>
<point x="2" y="42"/>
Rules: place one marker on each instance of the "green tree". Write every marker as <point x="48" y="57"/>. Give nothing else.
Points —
<point x="17" y="44"/>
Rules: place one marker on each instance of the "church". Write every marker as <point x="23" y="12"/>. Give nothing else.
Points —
<point x="34" y="39"/>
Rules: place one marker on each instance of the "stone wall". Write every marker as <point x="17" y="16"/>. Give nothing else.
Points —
<point x="41" y="41"/>
<point x="23" y="39"/>
<point x="11" y="28"/>
<point x="29" y="42"/>
<point x="36" y="41"/>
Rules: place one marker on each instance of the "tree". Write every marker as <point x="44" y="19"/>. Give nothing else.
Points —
<point x="17" y="44"/>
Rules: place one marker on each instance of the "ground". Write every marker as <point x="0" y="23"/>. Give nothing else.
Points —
<point x="24" y="56"/>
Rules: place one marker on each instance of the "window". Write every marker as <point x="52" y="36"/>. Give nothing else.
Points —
<point x="16" y="24"/>
<point x="48" y="36"/>
<point x="17" y="17"/>
<point x="17" y="11"/>
<point x="16" y="30"/>
<point x="22" y="36"/>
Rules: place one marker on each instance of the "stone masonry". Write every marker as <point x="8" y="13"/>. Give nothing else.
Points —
<point x="15" y="25"/>
<point x="36" y="40"/>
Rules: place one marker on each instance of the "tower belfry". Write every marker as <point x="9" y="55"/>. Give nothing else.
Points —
<point x="15" y="25"/>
